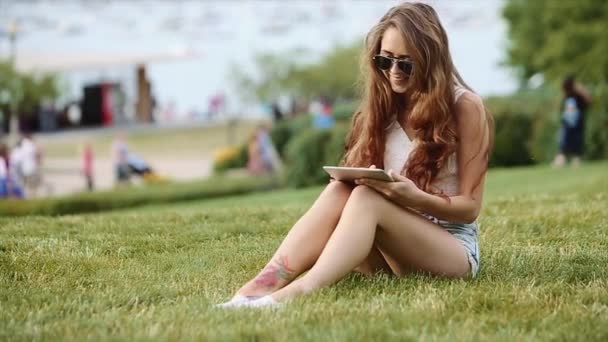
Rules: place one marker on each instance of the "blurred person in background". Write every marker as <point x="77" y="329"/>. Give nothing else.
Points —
<point x="3" y="170"/>
<point x="217" y="106"/>
<point x="262" y="156"/>
<point x="572" y="131"/>
<point x="323" y="115"/>
<point x="31" y="165"/>
<point x="88" y="157"/>
<point x="277" y="114"/>
<point x="120" y="158"/>
<point x="419" y="121"/>
<point x="268" y="153"/>
<point x="138" y="166"/>
<point x="15" y="173"/>
<point x="255" y="165"/>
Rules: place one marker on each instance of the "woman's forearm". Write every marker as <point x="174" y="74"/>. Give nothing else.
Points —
<point x="458" y="209"/>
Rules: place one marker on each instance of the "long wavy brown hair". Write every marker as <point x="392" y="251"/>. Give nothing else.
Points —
<point x="431" y="101"/>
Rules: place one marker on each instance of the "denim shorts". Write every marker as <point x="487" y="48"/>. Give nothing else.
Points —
<point x="466" y="233"/>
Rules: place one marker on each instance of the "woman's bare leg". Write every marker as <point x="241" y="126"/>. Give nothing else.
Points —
<point x="413" y="241"/>
<point x="559" y="160"/>
<point x="303" y="244"/>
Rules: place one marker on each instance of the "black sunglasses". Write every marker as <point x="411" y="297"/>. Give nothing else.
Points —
<point x="385" y="63"/>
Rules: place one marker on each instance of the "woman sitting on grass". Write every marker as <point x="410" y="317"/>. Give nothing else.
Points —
<point x="419" y="120"/>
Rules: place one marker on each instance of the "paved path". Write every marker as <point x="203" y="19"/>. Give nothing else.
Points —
<point x="62" y="175"/>
<point x="185" y="160"/>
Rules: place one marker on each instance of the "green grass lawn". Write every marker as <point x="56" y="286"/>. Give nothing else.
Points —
<point x="153" y="272"/>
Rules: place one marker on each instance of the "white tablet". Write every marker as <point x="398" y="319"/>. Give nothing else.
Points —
<point x="349" y="174"/>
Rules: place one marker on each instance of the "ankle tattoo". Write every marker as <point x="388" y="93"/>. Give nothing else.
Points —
<point x="274" y="272"/>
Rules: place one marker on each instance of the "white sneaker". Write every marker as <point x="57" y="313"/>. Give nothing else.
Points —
<point x="237" y="301"/>
<point x="266" y="301"/>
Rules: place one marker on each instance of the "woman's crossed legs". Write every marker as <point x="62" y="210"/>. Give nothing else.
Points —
<point x="345" y="230"/>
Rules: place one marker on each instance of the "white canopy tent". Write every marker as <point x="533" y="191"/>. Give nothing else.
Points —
<point x="44" y="62"/>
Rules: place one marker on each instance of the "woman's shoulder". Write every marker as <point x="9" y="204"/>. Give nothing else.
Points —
<point x="470" y="108"/>
<point x="465" y="95"/>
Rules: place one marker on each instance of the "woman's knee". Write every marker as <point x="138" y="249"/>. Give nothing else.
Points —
<point x="339" y="189"/>
<point x="332" y="199"/>
<point x="365" y="195"/>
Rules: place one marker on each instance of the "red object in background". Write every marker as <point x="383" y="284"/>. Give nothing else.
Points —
<point x="326" y="109"/>
<point x="87" y="160"/>
<point x="106" y="104"/>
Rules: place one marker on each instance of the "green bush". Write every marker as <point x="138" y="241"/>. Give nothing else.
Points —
<point x="543" y="143"/>
<point x="309" y="151"/>
<point x="528" y="123"/>
<point x="596" y="128"/>
<point x="280" y="135"/>
<point x="136" y="196"/>
<point x="285" y="130"/>
<point x="596" y="137"/>
<point x="305" y="155"/>
<point x="525" y="127"/>
<point x="335" y="146"/>
<point x="343" y="111"/>
<point x="511" y="146"/>
<point x="238" y="161"/>
<point x="526" y="132"/>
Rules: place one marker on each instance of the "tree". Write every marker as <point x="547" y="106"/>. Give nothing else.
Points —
<point x="334" y="74"/>
<point x="21" y="93"/>
<point x="553" y="38"/>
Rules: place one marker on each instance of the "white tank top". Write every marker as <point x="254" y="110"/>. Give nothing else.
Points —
<point x="398" y="148"/>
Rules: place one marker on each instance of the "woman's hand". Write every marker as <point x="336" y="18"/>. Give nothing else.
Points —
<point x="402" y="191"/>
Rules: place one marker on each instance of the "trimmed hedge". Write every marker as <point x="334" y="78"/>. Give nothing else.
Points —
<point x="526" y="132"/>
<point x="309" y="151"/>
<point x="334" y="151"/>
<point x="511" y="141"/>
<point x="596" y="135"/>
<point x="137" y="196"/>
<point x="527" y="126"/>
<point x="285" y="130"/>
<point x="343" y="111"/>
<point x="238" y="161"/>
